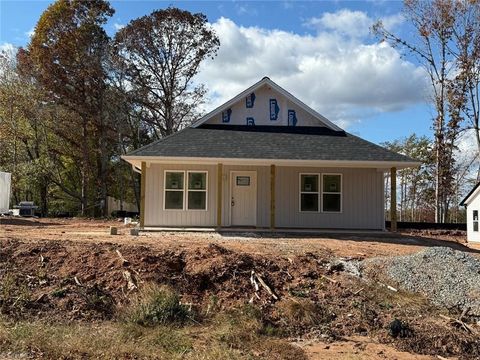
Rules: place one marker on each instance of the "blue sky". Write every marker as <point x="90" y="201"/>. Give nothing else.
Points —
<point x="322" y="52"/>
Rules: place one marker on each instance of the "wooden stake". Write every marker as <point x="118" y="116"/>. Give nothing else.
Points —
<point x="393" y="199"/>
<point x="142" y="194"/>
<point x="272" y="196"/>
<point x="219" y="194"/>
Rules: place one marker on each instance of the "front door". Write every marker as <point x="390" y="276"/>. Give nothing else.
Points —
<point x="244" y="198"/>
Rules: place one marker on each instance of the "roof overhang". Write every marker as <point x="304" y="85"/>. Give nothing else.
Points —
<point x="471" y="195"/>
<point x="136" y="162"/>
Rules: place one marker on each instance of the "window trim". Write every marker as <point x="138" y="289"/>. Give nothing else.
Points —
<point x="179" y="190"/>
<point x="475" y="221"/>
<point x="187" y="190"/>
<point x="329" y="192"/>
<point x="300" y="192"/>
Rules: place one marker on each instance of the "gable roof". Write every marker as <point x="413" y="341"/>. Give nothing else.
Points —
<point x="266" y="81"/>
<point x="470" y="194"/>
<point x="269" y="144"/>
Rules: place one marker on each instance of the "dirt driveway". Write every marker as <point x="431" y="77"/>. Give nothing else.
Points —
<point x="339" y="244"/>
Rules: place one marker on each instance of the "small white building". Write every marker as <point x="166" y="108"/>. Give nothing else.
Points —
<point x="5" y="183"/>
<point x="472" y="205"/>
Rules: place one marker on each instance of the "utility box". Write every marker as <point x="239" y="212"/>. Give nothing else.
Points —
<point x="5" y="185"/>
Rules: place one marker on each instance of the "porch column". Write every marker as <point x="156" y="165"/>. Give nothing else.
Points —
<point x="272" y="196"/>
<point x="142" y="194"/>
<point x="393" y="199"/>
<point x="219" y="194"/>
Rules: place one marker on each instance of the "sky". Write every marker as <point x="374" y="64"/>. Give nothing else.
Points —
<point x="320" y="51"/>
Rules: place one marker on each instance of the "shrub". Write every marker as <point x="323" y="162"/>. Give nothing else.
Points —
<point x="156" y="305"/>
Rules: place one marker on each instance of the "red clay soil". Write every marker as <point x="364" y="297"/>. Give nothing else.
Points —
<point x="71" y="271"/>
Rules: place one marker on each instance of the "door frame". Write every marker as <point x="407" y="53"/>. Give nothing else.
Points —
<point x="247" y="172"/>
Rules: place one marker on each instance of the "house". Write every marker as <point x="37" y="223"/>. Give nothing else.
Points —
<point x="264" y="159"/>
<point x="5" y="184"/>
<point x="472" y="206"/>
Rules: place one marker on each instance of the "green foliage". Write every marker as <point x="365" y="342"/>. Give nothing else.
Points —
<point x="157" y="305"/>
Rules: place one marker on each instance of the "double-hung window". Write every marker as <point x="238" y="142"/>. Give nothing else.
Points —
<point x="332" y="193"/>
<point x="185" y="190"/>
<point x="309" y="192"/>
<point x="327" y="197"/>
<point x="197" y="190"/>
<point x="475" y="220"/>
<point x="174" y="190"/>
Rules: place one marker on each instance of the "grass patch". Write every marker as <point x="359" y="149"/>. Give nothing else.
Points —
<point x="238" y="327"/>
<point x="157" y="305"/>
<point x="304" y="313"/>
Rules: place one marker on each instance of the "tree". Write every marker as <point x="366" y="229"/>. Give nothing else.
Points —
<point x="159" y="56"/>
<point x="66" y="56"/>
<point x="443" y="34"/>
<point x="416" y="185"/>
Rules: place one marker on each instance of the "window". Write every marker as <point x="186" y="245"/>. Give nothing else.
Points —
<point x="197" y="191"/>
<point x="332" y="193"/>
<point x="174" y="185"/>
<point x="475" y="220"/>
<point x="189" y="192"/>
<point x="309" y="192"/>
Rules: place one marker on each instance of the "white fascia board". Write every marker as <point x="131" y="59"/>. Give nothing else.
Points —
<point x="282" y="91"/>
<point x="137" y="160"/>
<point x="472" y="196"/>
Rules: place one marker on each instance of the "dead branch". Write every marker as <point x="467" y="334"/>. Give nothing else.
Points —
<point x="333" y="281"/>
<point x="462" y="324"/>
<point x="131" y="285"/>
<point x="266" y="287"/>
<point x="124" y="261"/>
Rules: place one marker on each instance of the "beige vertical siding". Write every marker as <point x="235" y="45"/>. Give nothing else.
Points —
<point x="473" y="236"/>
<point x="154" y="213"/>
<point x="362" y="199"/>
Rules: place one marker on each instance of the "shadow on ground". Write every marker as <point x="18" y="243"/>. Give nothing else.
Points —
<point x="380" y="237"/>
<point x="26" y="222"/>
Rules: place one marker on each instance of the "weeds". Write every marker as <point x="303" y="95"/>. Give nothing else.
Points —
<point x="157" y="305"/>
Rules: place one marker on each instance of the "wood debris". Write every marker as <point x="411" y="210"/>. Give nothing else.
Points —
<point x="253" y="280"/>
<point x="124" y="261"/>
<point x="131" y="284"/>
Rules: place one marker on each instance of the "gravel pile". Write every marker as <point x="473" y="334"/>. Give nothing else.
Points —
<point x="447" y="277"/>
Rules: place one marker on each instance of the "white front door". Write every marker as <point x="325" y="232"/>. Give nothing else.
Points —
<point x="243" y="200"/>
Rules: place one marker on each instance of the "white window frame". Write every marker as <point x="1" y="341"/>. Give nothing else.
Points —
<point x="475" y="221"/>
<point x="187" y="190"/>
<point x="179" y="190"/>
<point x="329" y="192"/>
<point x="300" y="192"/>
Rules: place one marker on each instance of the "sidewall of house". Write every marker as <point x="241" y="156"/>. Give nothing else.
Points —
<point x="154" y="193"/>
<point x="473" y="236"/>
<point x="362" y="200"/>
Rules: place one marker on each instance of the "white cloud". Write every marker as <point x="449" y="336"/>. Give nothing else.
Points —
<point x="118" y="26"/>
<point x="8" y="48"/>
<point x="336" y="73"/>
<point x="355" y="24"/>
<point x="30" y="32"/>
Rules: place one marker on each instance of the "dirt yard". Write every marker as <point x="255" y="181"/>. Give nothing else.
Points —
<point x="62" y="264"/>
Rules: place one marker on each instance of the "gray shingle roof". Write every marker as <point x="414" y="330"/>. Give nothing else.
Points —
<point x="268" y="142"/>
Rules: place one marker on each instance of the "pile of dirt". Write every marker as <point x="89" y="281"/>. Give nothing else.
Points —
<point x="303" y="295"/>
